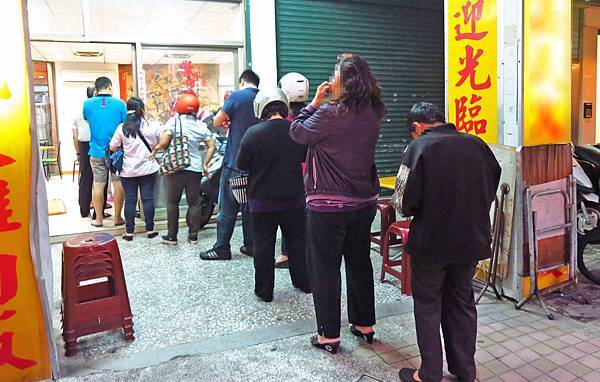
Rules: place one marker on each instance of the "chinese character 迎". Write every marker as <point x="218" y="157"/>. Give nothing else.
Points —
<point x="469" y="71"/>
<point x="471" y="13"/>
<point x="466" y="115"/>
<point x="8" y="283"/>
<point x="5" y="212"/>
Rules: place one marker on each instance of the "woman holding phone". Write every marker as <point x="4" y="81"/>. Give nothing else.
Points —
<point x="342" y="189"/>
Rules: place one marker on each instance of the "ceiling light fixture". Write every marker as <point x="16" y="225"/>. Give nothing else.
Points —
<point x="88" y="54"/>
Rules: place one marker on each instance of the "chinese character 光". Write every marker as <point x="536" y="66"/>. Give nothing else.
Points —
<point x="471" y="13"/>
<point x="8" y="283"/>
<point x="469" y="71"/>
<point x="6" y="353"/>
<point x="467" y="115"/>
<point x="5" y="212"/>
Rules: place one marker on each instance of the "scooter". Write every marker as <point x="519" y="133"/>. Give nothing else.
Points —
<point x="209" y="188"/>
<point x="586" y="171"/>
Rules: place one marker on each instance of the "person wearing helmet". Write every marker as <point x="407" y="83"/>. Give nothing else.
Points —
<point x="236" y="116"/>
<point x="295" y="86"/>
<point x="275" y="192"/>
<point x="190" y="178"/>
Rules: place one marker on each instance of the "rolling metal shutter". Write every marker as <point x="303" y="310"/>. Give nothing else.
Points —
<point x="402" y="40"/>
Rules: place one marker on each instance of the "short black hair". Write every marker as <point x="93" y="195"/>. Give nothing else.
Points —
<point x="273" y="108"/>
<point x="250" y="77"/>
<point x="424" y="112"/>
<point x="103" y="83"/>
<point x="90" y="91"/>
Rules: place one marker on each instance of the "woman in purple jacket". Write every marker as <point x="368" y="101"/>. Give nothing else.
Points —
<point x="342" y="189"/>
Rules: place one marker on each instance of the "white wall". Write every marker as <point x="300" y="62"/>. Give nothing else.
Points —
<point x="263" y="41"/>
<point x="72" y="80"/>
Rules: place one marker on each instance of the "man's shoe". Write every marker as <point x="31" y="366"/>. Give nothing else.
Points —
<point x="169" y="240"/>
<point x="407" y="375"/>
<point x="264" y="298"/>
<point x="213" y="254"/>
<point x="193" y="239"/>
<point x="246" y="251"/>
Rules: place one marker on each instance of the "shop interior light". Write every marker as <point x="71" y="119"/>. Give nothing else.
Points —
<point x="87" y="54"/>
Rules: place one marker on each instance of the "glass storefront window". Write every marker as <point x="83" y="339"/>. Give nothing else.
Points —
<point x="167" y="72"/>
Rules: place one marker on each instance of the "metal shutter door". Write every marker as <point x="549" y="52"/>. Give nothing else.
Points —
<point x="402" y="40"/>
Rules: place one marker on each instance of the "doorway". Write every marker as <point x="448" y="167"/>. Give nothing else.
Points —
<point x="72" y="67"/>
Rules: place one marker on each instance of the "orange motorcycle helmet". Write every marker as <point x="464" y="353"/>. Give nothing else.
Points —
<point x="187" y="103"/>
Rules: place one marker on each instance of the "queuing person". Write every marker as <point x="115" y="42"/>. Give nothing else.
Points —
<point x="104" y="113"/>
<point x="81" y="142"/>
<point x="236" y="115"/>
<point x="275" y="192"/>
<point x="447" y="181"/>
<point x="190" y="178"/>
<point x="295" y="86"/>
<point x="342" y="188"/>
<point x="137" y="137"/>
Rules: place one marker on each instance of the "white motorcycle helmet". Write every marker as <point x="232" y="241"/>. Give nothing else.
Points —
<point x="267" y="96"/>
<point x="295" y="87"/>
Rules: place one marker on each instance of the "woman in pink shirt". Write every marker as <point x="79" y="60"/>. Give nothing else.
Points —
<point x="137" y="137"/>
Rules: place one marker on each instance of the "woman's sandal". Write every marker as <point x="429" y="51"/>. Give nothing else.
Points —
<point x="357" y="333"/>
<point x="331" y="347"/>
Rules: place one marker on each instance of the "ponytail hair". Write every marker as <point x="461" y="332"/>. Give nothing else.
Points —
<point x="135" y="114"/>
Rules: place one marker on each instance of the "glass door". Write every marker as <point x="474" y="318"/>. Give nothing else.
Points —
<point x="164" y="72"/>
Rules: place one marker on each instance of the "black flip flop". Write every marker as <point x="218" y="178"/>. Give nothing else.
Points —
<point x="97" y="225"/>
<point x="120" y="224"/>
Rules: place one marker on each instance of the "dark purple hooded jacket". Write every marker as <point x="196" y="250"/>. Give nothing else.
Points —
<point x="341" y="150"/>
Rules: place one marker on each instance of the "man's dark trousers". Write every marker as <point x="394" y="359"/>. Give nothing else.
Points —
<point x="443" y="295"/>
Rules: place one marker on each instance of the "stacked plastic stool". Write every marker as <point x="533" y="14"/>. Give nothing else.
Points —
<point x="94" y="293"/>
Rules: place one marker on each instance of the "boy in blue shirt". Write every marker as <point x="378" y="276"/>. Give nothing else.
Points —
<point x="104" y="114"/>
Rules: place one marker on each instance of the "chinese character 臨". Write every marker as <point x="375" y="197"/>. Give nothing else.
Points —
<point x="466" y="115"/>
<point x="471" y="13"/>
<point x="8" y="282"/>
<point x="469" y="71"/>
<point x="6" y="353"/>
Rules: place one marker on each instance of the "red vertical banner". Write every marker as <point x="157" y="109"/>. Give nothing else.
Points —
<point x="24" y="352"/>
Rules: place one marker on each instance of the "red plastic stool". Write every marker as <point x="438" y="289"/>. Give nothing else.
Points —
<point x="387" y="215"/>
<point x="93" y="287"/>
<point x="399" y="229"/>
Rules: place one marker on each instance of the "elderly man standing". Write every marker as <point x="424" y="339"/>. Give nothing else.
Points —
<point x="447" y="181"/>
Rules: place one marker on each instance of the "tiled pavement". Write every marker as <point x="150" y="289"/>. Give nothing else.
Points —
<point x="258" y="342"/>
<point x="512" y="346"/>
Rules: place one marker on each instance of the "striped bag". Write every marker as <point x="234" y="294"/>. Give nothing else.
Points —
<point x="238" y="188"/>
<point x="177" y="156"/>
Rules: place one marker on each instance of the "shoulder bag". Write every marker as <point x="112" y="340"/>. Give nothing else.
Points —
<point x="177" y="156"/>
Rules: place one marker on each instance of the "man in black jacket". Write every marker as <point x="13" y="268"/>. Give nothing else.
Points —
<point x="447" y="182"/>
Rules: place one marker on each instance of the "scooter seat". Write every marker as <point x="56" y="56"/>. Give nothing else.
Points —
<point x="588" y="153"/>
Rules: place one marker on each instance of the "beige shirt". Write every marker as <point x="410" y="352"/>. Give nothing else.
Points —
<point x="83" y="129"/>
